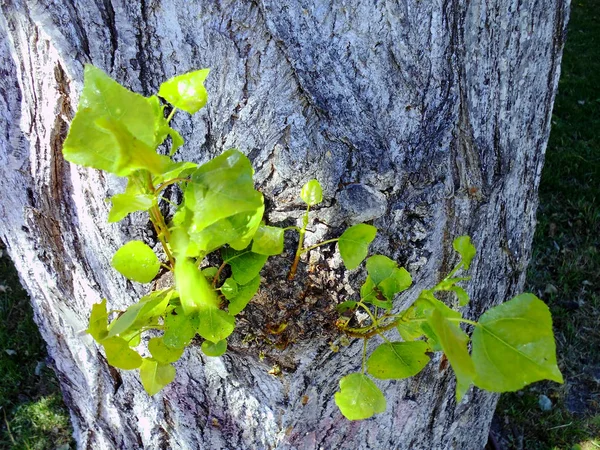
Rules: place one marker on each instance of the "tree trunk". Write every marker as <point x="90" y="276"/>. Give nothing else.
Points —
<point x="428" y="118"/>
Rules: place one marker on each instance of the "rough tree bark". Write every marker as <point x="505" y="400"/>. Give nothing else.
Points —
<point x="428" y="118"/>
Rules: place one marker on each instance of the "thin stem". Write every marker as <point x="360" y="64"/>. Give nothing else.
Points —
<point x="328" y="241"/>
<point x="162" y="231"/>
<point x="302" y="232"/>
<point x="171" y="114"/>
<point x="218" y="274"/>
<point x="470" y="322"/>
<point x="292" y="227"/>
<point x="162" y="186"/>
<point x="366" y="308"/>
<point x="364" y="355"/>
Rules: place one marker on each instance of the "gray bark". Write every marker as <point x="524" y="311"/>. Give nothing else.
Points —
<point x="428" y="118"/>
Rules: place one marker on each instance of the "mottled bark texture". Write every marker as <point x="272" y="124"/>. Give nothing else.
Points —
<point x="428" y="118"/>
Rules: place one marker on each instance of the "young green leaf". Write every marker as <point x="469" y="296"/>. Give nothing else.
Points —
<point x="513" y="345"/>
<point x="155" y="376"/>
<point x="115" y="130"/>
<point x="136" y="316"/>
<point x="179" y="328"/>
<point x="225" y="207"/>
<point x="195" y="291"/>
<point x="354" y="244"/>
<point x="215" y="324"/>
<point x="359" y="398"/>
<point x="98" y="321"/>
<point x="243" y="296"/>
<point x="312" y="193"/>
<point x="187" y="91"/>
<point x="133" y="199"/>
<point x="229" y="288"/>
<point x="210" y="273"/>
<point x="384" y="281"/>
<point x="136" y="261"/>
<point x="211" y="349"/>
<point x="454" y="341"/>
<point x="118" y="354"/>
<point x="268" y="240"/>
<point x="398" y="360"/>
<point x="245" y="265"/>
<point x="463" y="246"/>
<point x="175" y="170"/>
<point x="162" y="353"/>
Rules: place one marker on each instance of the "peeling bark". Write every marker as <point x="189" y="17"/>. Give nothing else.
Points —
<point x="428" y="118"/>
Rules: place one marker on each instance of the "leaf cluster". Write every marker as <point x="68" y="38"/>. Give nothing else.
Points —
<point x="221" y="213"/>
<point x="512" y="344"/>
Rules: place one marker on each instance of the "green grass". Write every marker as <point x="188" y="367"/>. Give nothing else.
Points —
<point x="32" y="414"/>
<point x="565" y="268"/>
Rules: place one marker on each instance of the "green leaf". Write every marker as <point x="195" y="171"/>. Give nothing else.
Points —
<point x="162" y="353"/>
<point x="354" y="244"/>
<point x="225" y="207"/>
<point x="384" y="281"/>
<point x="187" y="91"/>
<point x="312" y="193"/>
<point x="348" y="305"/>
<point x="463" y="246"/>
<point x="98" y="326"/>
<point x="175" y="170"/>
<point x="215" y="324"/>
<point x="195" y="291"/>
<point x="245" y="265"/>
<point x="133" y="199"/>
<point x="211" y="349"/>
<point x="454" y="342"/>
<point x="155" y="376"/>
<point x="359" y="398"/>
<point x="229" y="288"/>
<point x="398" y="360"/>
<point x="244" y="295"/>
<point x="513" y="345"/>
<point x="179" y="328"/>
<point x="115" y="130"/>
<point x="138" y="314"/>
<point x="210" y="273"/>
<point x="268" y="240"/>
<point x="136" y="261"/>
<point x="119" y="355"/>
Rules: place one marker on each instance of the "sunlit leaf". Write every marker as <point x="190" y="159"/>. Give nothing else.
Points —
<point x="139" y="313"/>
<point x="215" y="324"/>
<point x="115" y="130"/>
<point x="214" y="349"/>
<point x="133" y="199"/>
<point x="136" y="261"/>
<point x="155" y="375"/>
<point x="187" y="91"/>
<point x="179" y="328"/>
<point x="98" y="321"/>
<point x="229" y="288"/>
<point x="384" y="281"/>
<point x="268" y="240"/>
<point x="398" y="359"/>
<point x="463" y="246"/>
<point x="354" y="244"/>
<point x="119" y="355"/>
<point x="312" y="193"/>
<point x="161" y="352"/>
<point x="454" y="342"/>
<point x="195" y="292"/>
<point x="513" y="345"/>
<point x="359" y="398"/>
